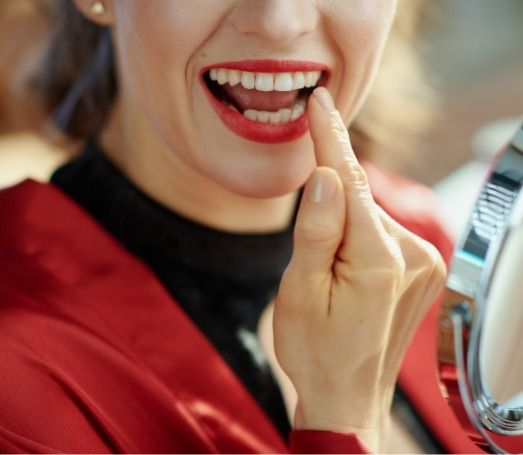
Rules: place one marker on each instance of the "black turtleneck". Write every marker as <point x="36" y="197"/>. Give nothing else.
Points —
<point x="222" y="280"/>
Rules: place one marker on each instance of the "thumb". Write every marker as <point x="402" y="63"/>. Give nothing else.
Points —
<point x="319" y="224"/>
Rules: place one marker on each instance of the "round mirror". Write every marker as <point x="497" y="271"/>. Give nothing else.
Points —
<point x="501" y="344"/>
<point x="481" y="324"/>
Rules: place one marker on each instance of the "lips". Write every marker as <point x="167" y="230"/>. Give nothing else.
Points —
<point x="263" y="100"/>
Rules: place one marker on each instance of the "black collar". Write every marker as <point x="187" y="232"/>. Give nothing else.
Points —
<point x="160" y="235"/>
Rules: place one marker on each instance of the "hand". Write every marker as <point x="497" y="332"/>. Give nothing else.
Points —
<point x="353" y="293"/>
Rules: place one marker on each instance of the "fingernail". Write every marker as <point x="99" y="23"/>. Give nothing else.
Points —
<point x="323" y="97"/>
<point x="322" y="187"/>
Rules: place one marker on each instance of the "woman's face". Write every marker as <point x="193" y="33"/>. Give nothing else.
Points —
<point x="223" y="83"/>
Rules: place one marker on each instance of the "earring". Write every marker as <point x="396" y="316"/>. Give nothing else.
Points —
<point x="98" y="8"/>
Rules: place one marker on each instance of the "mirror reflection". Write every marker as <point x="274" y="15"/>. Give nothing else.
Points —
<point x="501" y="345"/>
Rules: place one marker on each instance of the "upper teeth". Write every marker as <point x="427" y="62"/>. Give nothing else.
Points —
<point x="266" y="82"/>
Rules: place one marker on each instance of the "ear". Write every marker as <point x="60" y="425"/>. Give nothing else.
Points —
<point x="97" y="11"/>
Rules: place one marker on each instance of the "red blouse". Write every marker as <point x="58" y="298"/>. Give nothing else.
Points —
<point x="96" y="357"/>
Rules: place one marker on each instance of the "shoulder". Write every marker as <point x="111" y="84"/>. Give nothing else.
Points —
<point x="59" y="303"/>
<point x="47" y="240"/>
<point x="411" y="204"/>
<point x="59" y="270"/>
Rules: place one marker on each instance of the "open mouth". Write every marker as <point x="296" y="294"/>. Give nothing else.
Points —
<point x="275" y="98"/>
<point x="263" y="100"/>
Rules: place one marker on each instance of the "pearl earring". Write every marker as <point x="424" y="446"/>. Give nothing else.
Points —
<point x="97" y="8"/>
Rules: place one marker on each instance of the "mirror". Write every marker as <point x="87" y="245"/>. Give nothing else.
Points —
<point x="481" y="323"/>
<point x="501" y="344"/>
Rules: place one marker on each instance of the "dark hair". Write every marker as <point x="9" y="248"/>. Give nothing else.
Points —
<point x="78" y="77"/>
<point x="79" y="85"/>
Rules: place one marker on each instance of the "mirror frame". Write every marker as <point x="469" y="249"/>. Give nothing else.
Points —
<point x="498" y="209"/>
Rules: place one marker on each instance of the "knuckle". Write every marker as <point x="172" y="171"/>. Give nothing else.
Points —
<point x="389" y="279"/>
<point x="439" y="270"/>
<point x="418" y="249"/>
<point x="352" y="172"/>
<point x="388" y="286"/>
<point x="393" y="258"/>
<point x="339" y="129"/>
<point x="434" y="262"/>
<point x="430" y="263"/>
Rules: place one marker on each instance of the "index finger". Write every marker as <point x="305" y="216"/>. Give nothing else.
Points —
<point x="333" y="149"/>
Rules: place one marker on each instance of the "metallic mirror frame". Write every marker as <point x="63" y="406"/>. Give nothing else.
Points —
<point x="498" y="209"/>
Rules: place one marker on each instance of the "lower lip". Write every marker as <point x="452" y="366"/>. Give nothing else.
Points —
<point x="265" y="133"/>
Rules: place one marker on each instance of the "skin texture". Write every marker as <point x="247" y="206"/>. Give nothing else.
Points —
<point x="358" y="283"/>
<point x="355" y="290"/>
<point x="157" y="135"/>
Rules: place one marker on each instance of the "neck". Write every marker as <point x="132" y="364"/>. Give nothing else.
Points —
<point x="138" y="152"/>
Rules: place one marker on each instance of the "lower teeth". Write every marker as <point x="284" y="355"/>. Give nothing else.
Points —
<point x="277" y="118"/>
<point x="285" y="115"/>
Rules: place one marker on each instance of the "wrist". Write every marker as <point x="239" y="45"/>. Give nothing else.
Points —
<point x="307" y="419"/>
<point x="369" y="422"/>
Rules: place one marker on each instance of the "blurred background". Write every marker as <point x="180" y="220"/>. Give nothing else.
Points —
<point x="472" y="51"/>
<point x="474" y="57"/>
<point x="473" y="54"/>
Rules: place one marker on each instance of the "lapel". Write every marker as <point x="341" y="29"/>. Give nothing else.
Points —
<point x="95" y="284"/>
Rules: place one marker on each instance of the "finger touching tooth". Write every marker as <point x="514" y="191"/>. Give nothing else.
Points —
<point x="325" y="99"/>
<point x="332" y="148"/>
<point x="330" y="136"/>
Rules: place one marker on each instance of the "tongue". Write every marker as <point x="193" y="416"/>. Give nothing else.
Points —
<point x="261" y="101"/>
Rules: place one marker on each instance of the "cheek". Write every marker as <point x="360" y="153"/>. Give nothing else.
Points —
<point x="165" y="27"/>
<point x="360" y="29"/>
<point x="157" y="41"/>
<point x="363" y="24"/>
<point x="153" y="41"/>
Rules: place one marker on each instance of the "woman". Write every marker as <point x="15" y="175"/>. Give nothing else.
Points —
<point x="219" y="112"/>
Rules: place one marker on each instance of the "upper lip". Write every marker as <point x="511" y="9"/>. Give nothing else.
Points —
<point x="270" y="66"/>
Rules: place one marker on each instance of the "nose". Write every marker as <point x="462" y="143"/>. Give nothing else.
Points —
<point x="276" y="21"/>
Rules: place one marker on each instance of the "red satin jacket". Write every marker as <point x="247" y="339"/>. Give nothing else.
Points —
<point x="95" y="356"/>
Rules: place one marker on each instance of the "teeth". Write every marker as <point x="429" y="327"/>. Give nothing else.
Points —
<point x="285" y="115"/>
<point x="222" y="77"/>
<point x="299" y="80"/>
<point x="247" y="80"/>
<point x="277" y="118"/>
<point x="310" y="79"/>
<point x="234" y="77"/>
<point x="266" y="82"/>
<point x="263" y="116"/>
<point x="283" y="82"/>
<point x="298" y="110"/>
<point x="269" y="82"/>
<point x="251" y="114"/>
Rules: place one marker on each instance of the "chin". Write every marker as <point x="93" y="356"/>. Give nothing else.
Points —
<point x="269" y="184"/>
<point x="270" y="171"/>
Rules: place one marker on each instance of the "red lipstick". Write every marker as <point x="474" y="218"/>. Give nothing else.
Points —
<point x="267" y="133"/>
